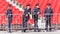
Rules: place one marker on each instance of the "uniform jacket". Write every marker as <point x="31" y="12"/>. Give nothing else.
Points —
<point x="48" y="13"/>
<point x="9" y="13"/>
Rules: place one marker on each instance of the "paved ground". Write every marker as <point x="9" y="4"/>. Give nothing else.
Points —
<point x="19" y="32"/>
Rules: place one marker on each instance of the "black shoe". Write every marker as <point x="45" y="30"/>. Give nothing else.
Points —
<point x="39" y="30"/>
<point x="46" y="30"/>
<point x="35" y="31"/>
<point x="50" y="30"/>
<point x="9" y="32"/>
<point x="24" y="30"/>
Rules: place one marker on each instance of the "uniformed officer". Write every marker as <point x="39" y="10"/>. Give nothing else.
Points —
<point x="48" y="15"/>
<point x="9" y="17"/>
<point x="25" y="19"/>
<point x="36" y="12"/>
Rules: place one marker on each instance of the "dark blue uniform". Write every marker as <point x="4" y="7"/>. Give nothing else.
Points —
<point x="35" y="16"/>
<point x="48" y="15"/>
<point x="27" y="11"/>
<point x="9" y="18"/>
<point x="24" y="23"/>
<point x="25" y="19"/>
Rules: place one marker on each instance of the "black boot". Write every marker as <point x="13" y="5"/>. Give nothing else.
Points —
<point x="24" y="30"/>
<point x="50" y="29"/>
<point x="39" y="30"/>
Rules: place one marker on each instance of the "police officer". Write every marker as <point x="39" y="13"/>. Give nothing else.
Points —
<point x="25" y="19"/>
<point x="48" y="15"/>
<point x="27" y="10"/>
<point x="36" y="12"/>
<point x="9" y="17"/>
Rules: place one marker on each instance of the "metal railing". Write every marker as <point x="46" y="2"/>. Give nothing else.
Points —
<point x="16" y="18"/>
